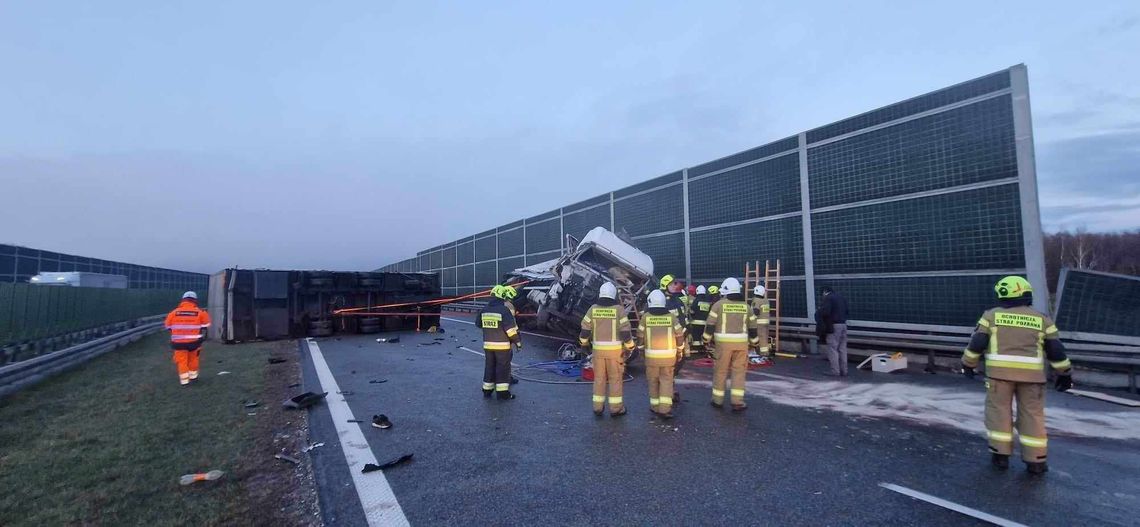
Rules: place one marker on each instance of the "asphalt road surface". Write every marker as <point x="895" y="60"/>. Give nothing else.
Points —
<point x="809" y="450"/>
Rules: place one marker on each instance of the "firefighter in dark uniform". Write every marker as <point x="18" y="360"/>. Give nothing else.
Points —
<point x="698" y="313"/>
<point x="500" y="332"/>
<point x="674" y="302"/>
<point x="1016" y="341"/>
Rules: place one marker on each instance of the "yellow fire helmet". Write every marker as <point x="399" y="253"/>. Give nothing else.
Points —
<point x="1012" y="287"/>
<point x="509" y="293"/>
<point x="713" y="290"/>
<point x="666" y="280"/>
<point x="497" y="291"/>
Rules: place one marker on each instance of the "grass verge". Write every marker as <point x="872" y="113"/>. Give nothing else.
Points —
<point x="106" y="443"/>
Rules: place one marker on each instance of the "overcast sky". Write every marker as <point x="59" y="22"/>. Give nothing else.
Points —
<point x="348" y="135"/>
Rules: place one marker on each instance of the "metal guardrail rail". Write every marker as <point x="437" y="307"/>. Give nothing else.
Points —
<point x="21" y="374"/>
<point x="1107" y="352"/>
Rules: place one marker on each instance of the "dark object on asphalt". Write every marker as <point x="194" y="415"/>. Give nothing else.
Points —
<point x="433" y="343"/>
<point x="294" y="385"/>
<point x="999" y="461"/>
<point x="389" y="340"/>
<point x="355" y="421"/>
<point x="1063" y="383"/>
<point x="290" y="459"/>
<point x="251" y="404"/>
<point x="506" y="396"/>
<point x="968" y="372"/>
<point x="374" y="381"/>
<point x="381" y="421"/>
<point x="439" y="338"/>
<point x="387" y="464"/>
<point x="440" y="330"/>
<point x="304" y="400"/>
<point x="276" y="360"/>
<point x="1037" y="468"/>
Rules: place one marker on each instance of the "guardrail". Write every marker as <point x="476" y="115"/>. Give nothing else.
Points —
<point x="15" y="376"/>
<point x="1106" y="352"/>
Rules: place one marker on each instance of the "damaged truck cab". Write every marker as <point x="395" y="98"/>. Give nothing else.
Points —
<point x="560" y="291"/>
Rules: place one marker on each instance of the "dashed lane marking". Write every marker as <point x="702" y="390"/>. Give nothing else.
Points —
<point x="376" y="496"/>
<point x="961" y="509"/>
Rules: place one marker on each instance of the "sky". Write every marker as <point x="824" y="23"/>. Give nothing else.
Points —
<point x="349" y="135"/>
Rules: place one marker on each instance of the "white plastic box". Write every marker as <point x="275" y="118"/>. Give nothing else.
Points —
<point x="884" y="363"/>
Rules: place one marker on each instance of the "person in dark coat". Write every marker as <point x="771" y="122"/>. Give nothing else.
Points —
<point x="831" y="327"/>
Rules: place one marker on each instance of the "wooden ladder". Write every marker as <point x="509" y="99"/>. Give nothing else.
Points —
<point x="770" y="279"/>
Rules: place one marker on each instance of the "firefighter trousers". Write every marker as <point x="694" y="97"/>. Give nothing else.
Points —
<point x="736" y="361"/>
<point x="660" y="378"/>
<point x="187" y="362"/>
<point x="694" y="340"/>
<point x="608" y="373"/>
<point x="497" y="370"/>
<point x="1030" y="422"/>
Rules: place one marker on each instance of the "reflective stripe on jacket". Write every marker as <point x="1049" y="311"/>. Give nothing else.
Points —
<point x="607" y="329"/>
<point x="186" y="322"/>
<point x="497" y="320"/>
<point x="1015" y="347"/>
<point x="729" y="323"/>
<point x="663" y="337"/>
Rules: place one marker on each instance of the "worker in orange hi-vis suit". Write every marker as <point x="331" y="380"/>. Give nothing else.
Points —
<point x="187" y="324"/>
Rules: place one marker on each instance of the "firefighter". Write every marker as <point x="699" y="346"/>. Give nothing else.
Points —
<point x="731" y="328"/>
<point x="499" y="332"/>
<point x="187" y="325"/>
<point x="664" y="339"/>
<point x="606" y="327"/>
<point x="1016" y="341"/>
<point x="698" y="312"/>
<point x="674" y="303"/>
<point x="508" y="294"/>
<point x="760" y="309"/>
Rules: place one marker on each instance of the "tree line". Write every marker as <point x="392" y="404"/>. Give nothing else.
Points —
<point x="1110" y="252"/>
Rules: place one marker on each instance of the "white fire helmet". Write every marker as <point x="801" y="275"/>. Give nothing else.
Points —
<point x="608" y="290"/>
<point x="657" y="298"/>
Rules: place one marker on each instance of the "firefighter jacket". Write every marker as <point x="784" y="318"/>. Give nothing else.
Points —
<point x="499" y="327"/>
<point x="760" y="309"/>
<point x="1016" y="341"/>
<point x="607" y="328"/>
<point x="731" y="324"/>
<point x="700" y="310"/>
<point x="186" y="323"/>
<point x="674" y="304"/>
<point x="663" y="337"/>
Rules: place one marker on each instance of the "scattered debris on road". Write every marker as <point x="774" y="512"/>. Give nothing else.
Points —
<point x="250" y="404"/>
<point x="388" y="464"/>
<point x="311" y="446"/>
<point x="291" y="459"/>
<point x="207" y="476"/>
<point x="389" y="340"/>
<point x="380" y="381"/>
<point x="223" y="373"/>
<point x="276" y="360"/>
<point x="304" y="400"/>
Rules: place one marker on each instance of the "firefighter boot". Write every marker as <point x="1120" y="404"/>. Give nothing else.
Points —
<point x="505" y="395"/>
<point x="487" y="393"/>
<point x="1000" y="461"/>
<point x="1037" y="468"/>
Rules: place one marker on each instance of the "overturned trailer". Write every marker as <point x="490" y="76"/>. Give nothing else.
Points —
<point x="560" y="291"/>
<point x="269" y="304"/>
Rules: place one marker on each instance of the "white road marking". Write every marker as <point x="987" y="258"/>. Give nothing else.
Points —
<point x="961" y="509"/>
<point x="523" y="332"/>
<point x="376" y="496"/>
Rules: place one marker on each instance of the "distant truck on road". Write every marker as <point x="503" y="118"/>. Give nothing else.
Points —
<point x="80" y="279"/>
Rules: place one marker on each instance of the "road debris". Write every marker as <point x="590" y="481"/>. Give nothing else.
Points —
<point x="346" y="392"/>
<point x="206" y="476"/>
<point x="312" y="446"/>
<point x="224" y="373"/>
<point x="387" y="464"/>
<point x="250" y="404"/>
<point x="304" y="400"/>
<point x="388" y="340"/>
<point x="291" y="459"/>
<point x="380" y="381"/>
